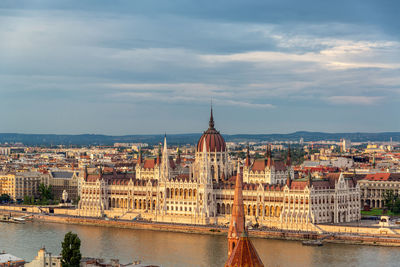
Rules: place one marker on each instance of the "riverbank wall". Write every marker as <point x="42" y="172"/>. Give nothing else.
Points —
<point x="328" y="233"/>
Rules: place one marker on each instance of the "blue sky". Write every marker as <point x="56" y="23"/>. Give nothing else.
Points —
<point x="134" y="67"/>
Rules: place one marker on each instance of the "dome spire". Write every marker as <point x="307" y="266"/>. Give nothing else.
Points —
<point x="211" y="123"/>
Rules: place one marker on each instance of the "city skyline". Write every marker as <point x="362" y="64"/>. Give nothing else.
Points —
<point x="150" y="68"/>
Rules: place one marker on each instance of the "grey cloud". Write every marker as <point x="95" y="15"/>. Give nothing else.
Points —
<point x="261" y="60"/>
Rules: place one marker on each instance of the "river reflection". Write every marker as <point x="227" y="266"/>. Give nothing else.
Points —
<point x="178" y="249"/>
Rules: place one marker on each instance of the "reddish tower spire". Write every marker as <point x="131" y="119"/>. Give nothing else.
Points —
<point x="244" y="254"/>
<point x="269" y="159"/>
<point x="236" y="227"/>
<point x="289" y="158"/>
<point x="241" y="251"/>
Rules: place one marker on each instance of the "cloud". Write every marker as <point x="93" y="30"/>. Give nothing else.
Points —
<point x="262" y="61"/>
<point x="186" y="92"/>
<point x="342" y="54"/>
<point x="355" y="100"/>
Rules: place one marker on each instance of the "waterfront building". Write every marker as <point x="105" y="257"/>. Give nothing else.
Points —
<point x="166" y="190"/>
<point x="61" y="180"/>
<point x="373" y="188"/>
<point x="20" y="184"/>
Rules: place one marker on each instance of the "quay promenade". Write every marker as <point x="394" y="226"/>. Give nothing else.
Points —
<point x="348" y="234"/>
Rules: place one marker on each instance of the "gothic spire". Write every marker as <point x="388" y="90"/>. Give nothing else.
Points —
<point x="289" y="180"/>
<point x="211" y="123"/>
<point x="158" y="162"/>
<point x="178" y="157"/>
<point x="269" y="155"/>
<point x="165" y="160"/>
<point x="247" y="157"/>
<point x="309" y="181"/>
<point x="289" y="157"/>
<point x="140" y="160"/>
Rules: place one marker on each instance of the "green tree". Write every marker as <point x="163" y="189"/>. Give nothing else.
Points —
<point x="71" y="250"/>
<point x="396" y="206"/>
<point x="76" y="201"/>
<point x="390" y="199"/>
<point x="45" y="192"/>
<point x="28" y="200"/>
<point x="5" y="198"/>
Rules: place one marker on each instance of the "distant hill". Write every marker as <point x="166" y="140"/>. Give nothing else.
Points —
<point x="182" y="139"/>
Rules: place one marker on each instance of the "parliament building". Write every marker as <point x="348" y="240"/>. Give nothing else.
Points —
<point x="166" y="189"/>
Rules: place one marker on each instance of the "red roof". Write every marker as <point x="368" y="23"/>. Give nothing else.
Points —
<point x="382" y="177"/>
<point x="149" y="163"/>
<point x="244" y="254"/>
<point x="260" y="164"/>
<point x="214" y="140"/>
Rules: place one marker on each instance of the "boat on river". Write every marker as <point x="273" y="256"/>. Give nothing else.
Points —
<point x="9" y="219"/>
<point x="314" y="243"/>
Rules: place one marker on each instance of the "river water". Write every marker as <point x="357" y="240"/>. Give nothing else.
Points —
<point x="178" y="249"/>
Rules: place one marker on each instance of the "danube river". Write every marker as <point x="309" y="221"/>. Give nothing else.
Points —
<point x="177" y="249"/>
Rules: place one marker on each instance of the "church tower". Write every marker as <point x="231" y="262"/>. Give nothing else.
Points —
<point x="241" y="251"/>
<point x="237" y="224"/>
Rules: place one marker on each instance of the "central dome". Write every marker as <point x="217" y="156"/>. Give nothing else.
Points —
<point x="214" y="140"/>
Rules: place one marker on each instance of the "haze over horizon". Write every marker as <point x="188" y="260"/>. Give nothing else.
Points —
<point x="125" y="68"/>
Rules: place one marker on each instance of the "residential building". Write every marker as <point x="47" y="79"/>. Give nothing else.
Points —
<point x="20" y="184"/>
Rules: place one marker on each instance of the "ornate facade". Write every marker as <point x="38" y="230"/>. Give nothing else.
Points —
<point x="267" y="170"/>
<point x="374" y="186"/>
<point x="166" y="190"/>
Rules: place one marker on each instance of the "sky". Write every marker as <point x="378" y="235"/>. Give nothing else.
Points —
<point x="149" y="67"/>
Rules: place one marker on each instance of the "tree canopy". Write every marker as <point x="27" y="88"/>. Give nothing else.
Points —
<point x="71" y="253"/>
<point x="4" y="198"/>
<point x="392" y="201"/>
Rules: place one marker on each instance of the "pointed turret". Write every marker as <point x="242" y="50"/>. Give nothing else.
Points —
<point x="309" y="180"/>
<point x="289" y="157"/>
<point x="211" y="122"/>
<point x="100" y="171"/>
<point x="178" y="157"/>
<point x="205" y="165"/>
<point x="247" y="163"/>
<point x="85" y="173"/>
<point x="140" y="159"/>
<point x="289" y="180"/>
<point x="269" y="156"/>
<point x="165" y="160"/>
<point x="373" y="161"/>
<point x="237" y="224"/>
<point x="158" y="161"/>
